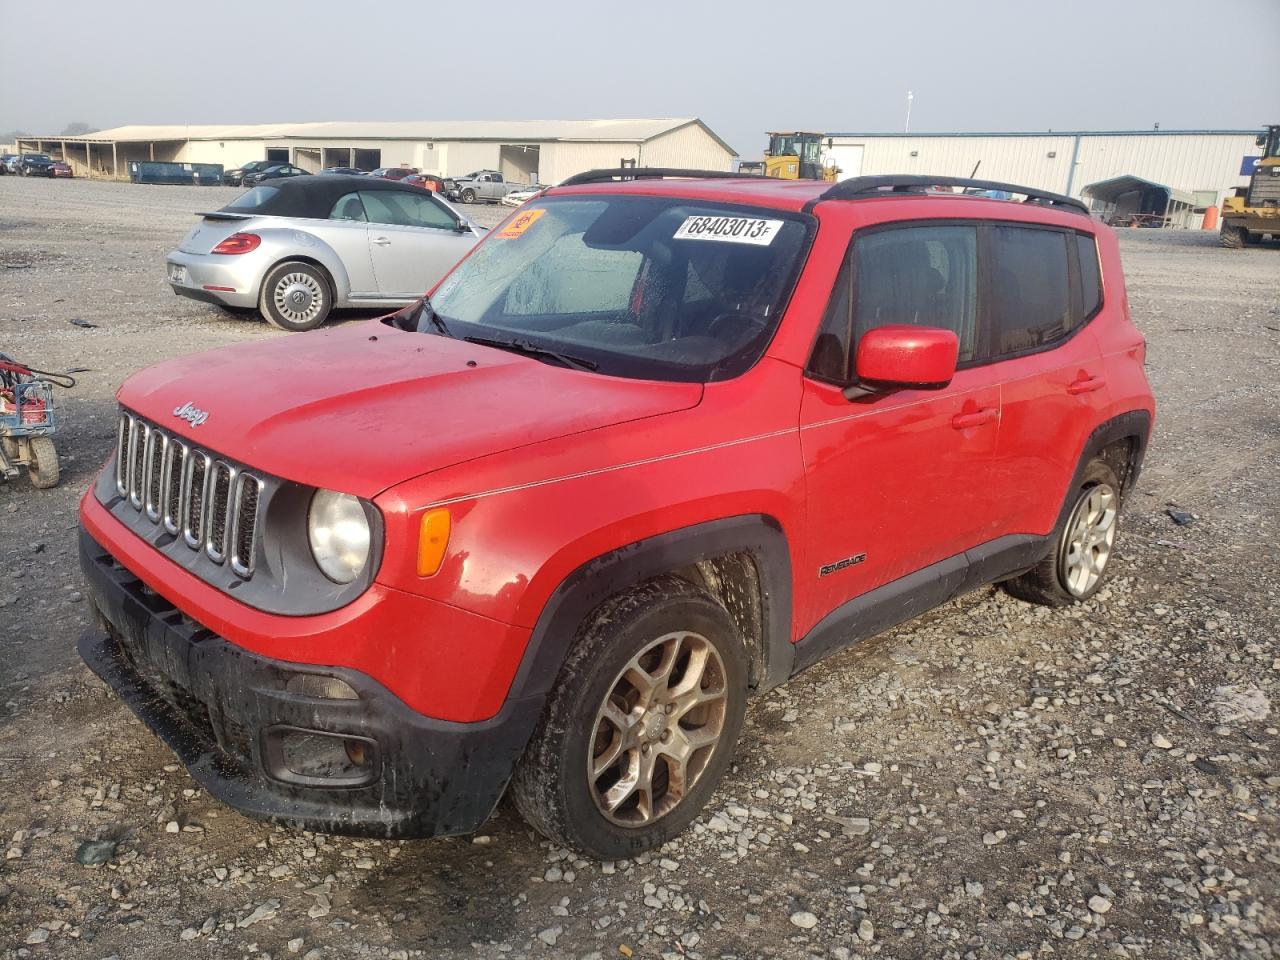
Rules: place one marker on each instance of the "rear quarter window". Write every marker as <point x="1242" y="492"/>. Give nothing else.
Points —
<point x="253" y="200"/>
<point x="1090" y="275"/>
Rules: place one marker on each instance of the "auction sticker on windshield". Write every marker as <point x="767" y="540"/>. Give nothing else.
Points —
<point x="730" y="230"/>
<point x="520" y="224"/>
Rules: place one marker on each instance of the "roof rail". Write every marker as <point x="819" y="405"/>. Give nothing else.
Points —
<point x="863" y="188"/>
<point x="653" y="173"/>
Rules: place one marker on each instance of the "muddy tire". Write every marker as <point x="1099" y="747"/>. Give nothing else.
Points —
<point x="295" y="296"/>
<point x="1233" y="238"/>
<point x="1083" y="544"/>
<point x="468" y="196"/>
<point x="640" y="725"/>
<point x="43" y="463"/>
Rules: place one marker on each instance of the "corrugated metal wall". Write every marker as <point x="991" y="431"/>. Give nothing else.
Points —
<point x="563" y="159"/>
<point x="1023" y="160"/>
<point x="689" y="147"/>
<point x="1189" y="162"/>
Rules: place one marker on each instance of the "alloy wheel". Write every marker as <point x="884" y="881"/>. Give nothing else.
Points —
<point x="657" y="729"/>
<point x="1087" y="541"/>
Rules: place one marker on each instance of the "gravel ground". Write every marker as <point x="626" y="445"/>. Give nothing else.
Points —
<point x="991" y="780"/>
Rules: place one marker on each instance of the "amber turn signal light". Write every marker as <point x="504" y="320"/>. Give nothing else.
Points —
<point x="433" y="540"/>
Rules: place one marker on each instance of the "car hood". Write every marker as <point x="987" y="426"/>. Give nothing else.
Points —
<point x="362" y="408"/>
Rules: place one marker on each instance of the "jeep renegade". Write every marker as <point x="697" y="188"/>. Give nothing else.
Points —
<point x="663" y="440"/>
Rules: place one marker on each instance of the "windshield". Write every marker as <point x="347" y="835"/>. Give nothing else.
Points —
<point x="657" y="288"/>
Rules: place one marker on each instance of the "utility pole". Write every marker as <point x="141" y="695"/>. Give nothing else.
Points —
<point x="910" y="96"/>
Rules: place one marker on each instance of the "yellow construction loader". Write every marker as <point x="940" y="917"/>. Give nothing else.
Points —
<point x="1255" y="210"/>
<point x="793" y="156"/>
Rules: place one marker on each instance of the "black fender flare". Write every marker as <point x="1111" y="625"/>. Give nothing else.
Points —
<point x="758" y="535"/>
<point x="1135" y="425"/>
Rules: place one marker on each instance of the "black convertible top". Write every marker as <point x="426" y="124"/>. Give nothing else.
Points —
<point x="311" y="197"/>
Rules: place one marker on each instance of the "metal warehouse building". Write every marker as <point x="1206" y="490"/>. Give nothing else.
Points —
<point x="526" y="151"/>
<point x="1169" y="174"/>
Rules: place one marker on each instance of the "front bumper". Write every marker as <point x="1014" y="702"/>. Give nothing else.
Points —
<point x="243" y="274"/>
<point x="228" y="715"/>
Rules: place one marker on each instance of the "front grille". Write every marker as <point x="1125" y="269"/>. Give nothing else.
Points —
<point x="210" y="503"/>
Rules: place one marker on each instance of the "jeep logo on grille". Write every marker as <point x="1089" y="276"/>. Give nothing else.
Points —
<point x="191" y="414"/>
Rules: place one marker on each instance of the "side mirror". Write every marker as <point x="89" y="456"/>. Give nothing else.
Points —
<point x="900" y="355"/>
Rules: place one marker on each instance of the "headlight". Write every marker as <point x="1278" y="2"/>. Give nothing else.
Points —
<point x="339" y="535"/>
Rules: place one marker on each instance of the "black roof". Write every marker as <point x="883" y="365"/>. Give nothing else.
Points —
<point x="314" y="196"/>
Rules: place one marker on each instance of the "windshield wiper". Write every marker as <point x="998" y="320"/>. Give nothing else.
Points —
<point x="531" y="349"/>
<point x="433" y="318"/>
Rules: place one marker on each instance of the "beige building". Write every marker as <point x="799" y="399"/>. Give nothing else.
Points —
<point x="528" y="151"/>
<point x="1179" y="171"/>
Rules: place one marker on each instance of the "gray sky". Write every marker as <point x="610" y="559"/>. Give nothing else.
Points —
<point x="743" y="66"/>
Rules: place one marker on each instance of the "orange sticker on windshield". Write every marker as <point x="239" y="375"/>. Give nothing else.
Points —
<point x="520" y="224"/>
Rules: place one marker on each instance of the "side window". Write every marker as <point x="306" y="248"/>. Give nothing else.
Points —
<point x="348" y="208"/>
<point x="406" y="209"/>
<point x="1029" y="280"/>
<point x="1090" y="275"/>
<point x="926" y="276"/>
<point x="570" y="278"/>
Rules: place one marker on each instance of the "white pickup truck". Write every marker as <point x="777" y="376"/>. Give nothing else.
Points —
<point x="482" y="185"/>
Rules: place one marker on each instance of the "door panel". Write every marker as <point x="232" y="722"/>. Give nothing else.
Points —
<point x="407" y="261"/>
<point x="350" y="240"/>
<point x="1051" y="402"/>
<point x="1043" y="283"/>
<point x="894" y="483"/>
<point x="412" y="240"/>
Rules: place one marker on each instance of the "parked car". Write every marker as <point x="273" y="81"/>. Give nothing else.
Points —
<point x="235" y="176"/>
<point x="296" y="249"/>
<point x="12" y="163"/>
<point x="276" y="171"/>
<point x="343" y="171"/>
<point x="481" y="185"/>
<point x="393" y="173"/>
<point x="517" y="197"/>
<point x="656" y="446"/>
<point x="7" y="160"/>
<point x="35" y="165"/>
<point x="60" y="169"/>
<point x="427" y="181"/>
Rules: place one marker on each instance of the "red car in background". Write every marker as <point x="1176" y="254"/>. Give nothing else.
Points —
<point x="427" y="181"/>
<point x="60" y="169"/>
<point x="393" y="173"/>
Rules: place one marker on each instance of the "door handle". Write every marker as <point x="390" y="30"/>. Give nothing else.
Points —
<point x="380" y="241"/>
<point x="963" y="421"/>
<point x="1086" y="385"/>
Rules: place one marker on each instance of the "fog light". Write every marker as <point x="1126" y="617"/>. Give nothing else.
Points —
<point x="316" y="758"/>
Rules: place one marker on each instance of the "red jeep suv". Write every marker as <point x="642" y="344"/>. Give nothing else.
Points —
<point x="663" y="440"/>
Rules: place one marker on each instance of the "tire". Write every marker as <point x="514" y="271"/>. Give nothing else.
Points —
<point x="1074" y="571"/>
<point x="468" y="196"/>
<point x="287" y="281"/>
<point x="666" y="626"/>
<point x="1233" y="238"/>
<point x="42" y="463"/>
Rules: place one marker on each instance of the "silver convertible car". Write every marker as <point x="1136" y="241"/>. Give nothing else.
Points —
<point x="296" y="249"/>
